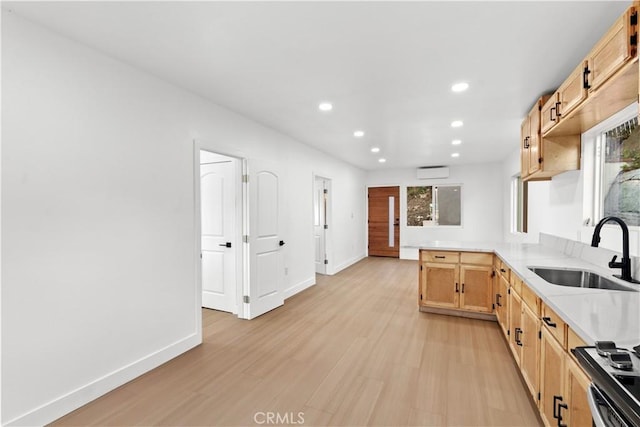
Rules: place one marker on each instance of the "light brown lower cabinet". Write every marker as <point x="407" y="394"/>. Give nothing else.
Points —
<point x="563" y="386"/>
<point x="578" y="412"/>
<point x="552" y="374"/>
<point x="456" y="280"/>
<point x="515" y="325"/>
<point x="530" y="353"/>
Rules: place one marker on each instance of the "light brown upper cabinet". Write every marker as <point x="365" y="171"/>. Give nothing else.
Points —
<point x="617" y="47"/>
<point x="605" y="82"/>
<point x="530" y="131"/>
<point x="602" y="84"/>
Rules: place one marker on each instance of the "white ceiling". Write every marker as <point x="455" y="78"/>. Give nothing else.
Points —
<point x="387" y="67"/>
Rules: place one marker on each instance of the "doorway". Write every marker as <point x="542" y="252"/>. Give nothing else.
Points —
<point x="220" y="225"/>
<point x="321" y="191"/>
<point x="384" y="221"/>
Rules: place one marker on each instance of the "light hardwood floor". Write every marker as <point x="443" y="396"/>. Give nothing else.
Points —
<point x="353" y="350"/>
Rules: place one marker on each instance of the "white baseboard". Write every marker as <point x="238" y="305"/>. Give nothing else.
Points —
<point x="346" y="264"/>
<point x="58" y="407"/>
<point x="299" y="287"/>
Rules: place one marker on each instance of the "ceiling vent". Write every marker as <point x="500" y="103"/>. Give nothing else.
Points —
<point x="431" y="172"/>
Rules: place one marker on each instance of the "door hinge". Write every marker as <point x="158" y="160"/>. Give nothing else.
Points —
<point x="326" y="226"/>
<point x="245" y="299"/>
<point x="420" y="296"/>
<point x="508" y="332"/>
<point x="245" y="238"/>
<point x="633" y="19"/>
<point x="633" y="40"/>
<point x="539" y="396"/>
<point x="539" y="159"/>
<point x="493" y="273"/>
<point x="245" y="178"/>
<point x="326" y="261"/>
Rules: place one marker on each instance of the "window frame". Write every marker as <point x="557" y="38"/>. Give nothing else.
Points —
<point x="435" y="203"/>
<point x="593" y="163"/>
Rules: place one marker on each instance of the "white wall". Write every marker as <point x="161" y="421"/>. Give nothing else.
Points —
<point x="98" y="261"/>
<point x="481" y="204"/>
<point x="557" y="207"/>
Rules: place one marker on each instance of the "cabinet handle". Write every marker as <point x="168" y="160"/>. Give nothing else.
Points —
<point x="518" y="331"/>
<point x="548" y="322"/>
<point x="560" y="407"/>
<point x="556" y="412"/>
<point x="457" y="289"/>
<point x="498" y="296"/>
<point x="526" y="142"/>
<point x="585" y="78"/>
<point x="439" y="257"/>
<point x="551" y="114"/>
<point x="503" y="270"/>
<point x="558" y="104"/>
<point x="462" y="288"/>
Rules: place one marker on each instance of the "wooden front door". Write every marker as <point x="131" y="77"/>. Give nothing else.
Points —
<point x="384" y="221"/>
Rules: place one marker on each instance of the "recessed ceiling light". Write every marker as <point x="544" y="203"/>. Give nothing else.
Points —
<point x="382" y="160"/>
<point x="460" y="87"/>
<point x="358" y="134"/>
<point x="455" y="155"/>
<point x="456" y="142"/>
<point x="375" y="150"/>
<point x="325" y="106"/>
<point x="456" y="123"/>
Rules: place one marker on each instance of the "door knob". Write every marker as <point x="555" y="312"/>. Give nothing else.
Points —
<point x="226" y="245"/>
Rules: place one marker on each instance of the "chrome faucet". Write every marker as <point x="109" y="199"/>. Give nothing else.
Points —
<point x="625" y="264"/>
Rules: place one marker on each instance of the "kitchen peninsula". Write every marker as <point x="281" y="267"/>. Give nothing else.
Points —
<point x="541" y="321"/>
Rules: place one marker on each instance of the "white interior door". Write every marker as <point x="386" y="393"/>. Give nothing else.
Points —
<point x="266" y="270"/>
<point x="320" y="224"/>
<point x="217" y="201"/>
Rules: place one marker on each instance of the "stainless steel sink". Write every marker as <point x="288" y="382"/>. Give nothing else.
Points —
<point x="578" y="279"/>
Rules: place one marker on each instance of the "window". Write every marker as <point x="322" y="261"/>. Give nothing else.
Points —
<point x="518" y="205"/>
<point x="616" y="177"/>
<point x="434" y="205"/>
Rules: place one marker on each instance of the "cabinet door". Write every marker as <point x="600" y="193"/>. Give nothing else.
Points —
<point x="548" y="118"/>
<point x="475" y="287"/>
<point x="515" y="325"/>
<point x="552" y="374"/>
<point x="530" y="355"/>
<point x="578" y="412"/>
<point x="572" y="92"/>
<point x="524" y="148"/>
<point x="502" y="304"/>
<point x="611" y="53"/>
<point x="441" y="284"/>
<point x="535" y="149"/>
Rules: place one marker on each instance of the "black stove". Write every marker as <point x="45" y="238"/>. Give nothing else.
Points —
<point x="614" y="395"/>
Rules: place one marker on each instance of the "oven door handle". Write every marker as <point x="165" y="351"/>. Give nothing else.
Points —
<point x="593" y="395"/>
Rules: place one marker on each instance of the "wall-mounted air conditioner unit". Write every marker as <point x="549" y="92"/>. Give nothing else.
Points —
<point x="431" y="172"/>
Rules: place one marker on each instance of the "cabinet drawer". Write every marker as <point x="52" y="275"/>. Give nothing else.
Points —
<point x="504" y="271"/>
<point x="573" y="341"/>
<point x="441" y="256"/>
<point x="479" y="258"/>
<point x="516" y="283"/>
<point x="554" y="325"/>
<point x="530" y="299"/>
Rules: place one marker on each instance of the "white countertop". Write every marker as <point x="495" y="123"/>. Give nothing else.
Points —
<point x="594" y="314"/>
